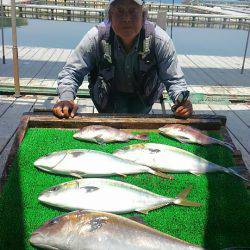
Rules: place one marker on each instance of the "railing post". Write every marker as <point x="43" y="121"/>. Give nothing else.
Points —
<point x="15" y="49"/>
<point x="245" y="54"/>
<point x="3" y="52"/>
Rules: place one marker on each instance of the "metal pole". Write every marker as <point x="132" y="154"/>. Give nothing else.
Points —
<point x="171" y="28"/>
<point x="15" y="49"/>
<point x="2" y="32"/>
<point x="243" y="64"/>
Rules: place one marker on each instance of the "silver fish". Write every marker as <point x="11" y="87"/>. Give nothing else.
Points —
<point x="91" y="230"/>
<point x="187" y="134"/>
<point x="108" y="195"/>
<point x="170" y="159"/>
<point x="105" y="134"/>
<point x="90" y="163"/>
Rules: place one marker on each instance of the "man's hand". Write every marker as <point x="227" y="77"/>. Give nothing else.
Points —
<point x="65" y="109"/>
<point x="185" y="110"/>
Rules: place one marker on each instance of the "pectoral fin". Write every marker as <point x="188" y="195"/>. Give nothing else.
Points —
<point x="197" y="174"/>
<point x="76" y="175"/>
<point x="122" y="175"/>
<point x="183" y="139"/>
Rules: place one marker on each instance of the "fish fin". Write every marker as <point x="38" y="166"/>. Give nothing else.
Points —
<point x="181" y="199"/>
<point x="138" y="219"/>
<point x="183" y="139"/>
<point x="122" y="175"/>
<point x="76" y="175"/>
<point x="143" y="137"/>
<point x="99" y="140"/>
<point x="238" y="172"/>
<point x="197" y="174"/>
<point x="228" y="145"/>
<point x="145" y="211"/>
<point x="160" y="174"/>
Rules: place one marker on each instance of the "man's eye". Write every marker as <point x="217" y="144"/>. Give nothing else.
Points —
<point x="120" y="11"/>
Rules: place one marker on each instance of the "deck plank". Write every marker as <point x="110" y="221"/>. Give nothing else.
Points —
<point x="85" y="105"/>
<point x="242" y="110"/>
<point x="201" y="109"/>
<point x="5" y="102"/>
<point x="234" y="124"/>
<point x="220" y="76"/>
<point x="48" y="66"/>
<point x="10" y="119"/>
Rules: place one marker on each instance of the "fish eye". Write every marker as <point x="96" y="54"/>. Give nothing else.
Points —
<point x="54" y="189"/>
<point x="53" y="221"/>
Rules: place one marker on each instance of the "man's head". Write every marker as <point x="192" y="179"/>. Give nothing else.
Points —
<point x="126" y="18"/>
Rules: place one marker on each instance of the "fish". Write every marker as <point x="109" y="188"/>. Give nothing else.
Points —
<point x="92" y="230"/>
<point x="187" y="134"/>
<point x="170" y="159"/>
<point x="91" y="163"/>
<point x="108" y="195"/>
<point x="104" y="134"/>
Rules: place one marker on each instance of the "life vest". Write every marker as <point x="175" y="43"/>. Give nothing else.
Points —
<point x="148" y="88"/>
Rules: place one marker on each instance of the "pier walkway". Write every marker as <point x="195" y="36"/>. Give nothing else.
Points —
<point x="213" y="75"/>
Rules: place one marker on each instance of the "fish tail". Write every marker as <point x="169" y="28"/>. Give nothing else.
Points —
<point x="143" y="137"/>
<point x="238" y="172"/>
<point x="226" y="144"/>
<point x="181" y="199"/>
<point x="160" y="174"/>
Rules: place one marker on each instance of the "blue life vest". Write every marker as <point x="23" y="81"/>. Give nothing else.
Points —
<point x="148" y="88"/>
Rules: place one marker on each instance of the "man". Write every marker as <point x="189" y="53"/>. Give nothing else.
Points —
<point x="129" y="61"/>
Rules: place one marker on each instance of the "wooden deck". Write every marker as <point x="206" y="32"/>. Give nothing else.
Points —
<point x="39" y="67"/>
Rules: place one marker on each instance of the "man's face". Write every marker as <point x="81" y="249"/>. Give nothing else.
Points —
<point x="126" y="18"/>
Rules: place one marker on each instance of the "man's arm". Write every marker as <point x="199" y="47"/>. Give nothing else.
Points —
<point x="79" y="64"/>
<point x="170" y="72"/>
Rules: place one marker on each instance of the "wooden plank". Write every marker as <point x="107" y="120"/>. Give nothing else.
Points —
<point x="218" y="75"/>
<point x="56" y="69"/>
<point x="7" y="69"/>
<point x="45" y="103"/>
<point x="126" y="121"/>
<point x="4" y="155"/>
<point x="232" y="74"/>
<point x="202" y="109"/>
<point x="22" y="127"/>
<point x="10" y="119"/>
<point x="234" y="124"/>
<point x="85" y="105"/>
<point x="47" y="67"/>
<point x="242" y="110"/>
<point x="25" y="64"/>
<point x="245" y="154"/>
<point x="39" y="63"/>
<point x="5" y="102"/>
<point x="157" y="109"/>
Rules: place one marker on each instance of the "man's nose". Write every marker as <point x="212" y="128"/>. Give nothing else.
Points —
<point x="126" y="16"/>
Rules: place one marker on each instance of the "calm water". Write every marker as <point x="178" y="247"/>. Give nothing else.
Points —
<point x="199" y="41"/>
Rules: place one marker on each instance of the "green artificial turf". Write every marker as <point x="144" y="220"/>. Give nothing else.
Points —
<point x="222" y="220"/>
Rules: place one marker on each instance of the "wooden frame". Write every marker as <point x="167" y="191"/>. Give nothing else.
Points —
<point x="138" y="122"/>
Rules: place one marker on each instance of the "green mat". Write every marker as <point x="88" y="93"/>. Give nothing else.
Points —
<point x="222" y="221"/>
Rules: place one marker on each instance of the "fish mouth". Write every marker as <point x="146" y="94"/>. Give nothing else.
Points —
<point x="45" y="163"/>
<point x="37" y="239"/>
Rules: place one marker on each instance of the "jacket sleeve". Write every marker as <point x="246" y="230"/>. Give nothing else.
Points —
<point x="78" y="65"/>
<point x="170" y="72"/>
